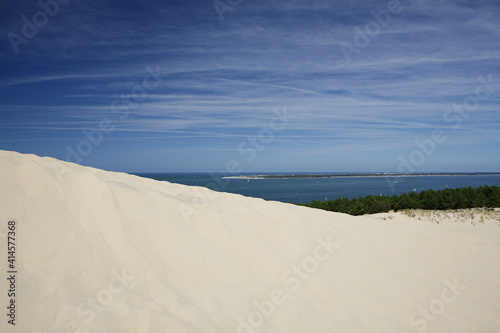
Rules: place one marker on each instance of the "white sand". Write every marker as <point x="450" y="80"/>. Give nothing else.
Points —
<point x="99" y="251"/>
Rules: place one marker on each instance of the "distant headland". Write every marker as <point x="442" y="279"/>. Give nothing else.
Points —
<point x="359" y="175"/>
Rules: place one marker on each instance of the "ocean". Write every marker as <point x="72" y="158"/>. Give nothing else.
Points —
<point x="300" y="190"/>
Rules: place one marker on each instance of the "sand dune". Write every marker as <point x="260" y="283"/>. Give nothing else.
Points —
<point x="97" y="251"/>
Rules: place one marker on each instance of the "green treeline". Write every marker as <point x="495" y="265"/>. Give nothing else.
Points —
<point x="484" y="196"/>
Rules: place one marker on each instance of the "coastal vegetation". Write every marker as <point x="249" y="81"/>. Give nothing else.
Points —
<point x="459" y="198"/>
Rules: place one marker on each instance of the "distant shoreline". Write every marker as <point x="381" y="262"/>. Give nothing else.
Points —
<point x="360" y="175"/>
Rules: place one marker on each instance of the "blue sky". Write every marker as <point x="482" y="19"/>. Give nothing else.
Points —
<point x="354" y="93"/>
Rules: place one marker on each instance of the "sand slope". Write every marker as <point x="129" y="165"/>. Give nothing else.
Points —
<point x="107" y="252"/>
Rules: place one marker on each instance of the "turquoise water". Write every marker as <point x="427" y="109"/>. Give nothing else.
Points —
<point x="297" y="190"/>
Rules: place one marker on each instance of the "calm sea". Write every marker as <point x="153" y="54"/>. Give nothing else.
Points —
<point x="298" y="190"/>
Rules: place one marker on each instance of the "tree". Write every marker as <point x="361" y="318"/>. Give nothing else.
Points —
<point x="357" y="208"/>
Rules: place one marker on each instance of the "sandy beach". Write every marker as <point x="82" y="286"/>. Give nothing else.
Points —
<point x="98" y="251"/>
